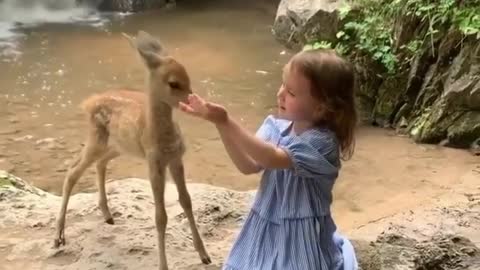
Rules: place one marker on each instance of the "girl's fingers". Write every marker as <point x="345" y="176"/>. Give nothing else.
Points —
<point x="197" y="97"/>
<point x="199" y="107"/>
<point x="199" y="100"/>
<point x="194" y="98"/>
<point x="186" y="108"/>
<point x="182" y="106"/>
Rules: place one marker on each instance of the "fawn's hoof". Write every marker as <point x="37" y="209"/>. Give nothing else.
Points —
<point x="206" y="260"/>
<point x="59" y="241"/>
<point x="110" y="221"/>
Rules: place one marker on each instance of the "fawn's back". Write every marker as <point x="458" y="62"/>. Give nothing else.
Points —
<point x="119" y="117"/>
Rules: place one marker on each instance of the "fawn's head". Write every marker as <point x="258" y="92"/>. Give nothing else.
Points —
<point x="167" y="78"/>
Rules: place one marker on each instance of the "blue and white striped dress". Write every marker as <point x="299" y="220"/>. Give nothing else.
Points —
<point x="290" y="226"/>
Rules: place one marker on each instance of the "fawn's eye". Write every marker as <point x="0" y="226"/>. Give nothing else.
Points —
<point x="174" y="85"/>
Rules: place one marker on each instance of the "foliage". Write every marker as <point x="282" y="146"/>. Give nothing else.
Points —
<point x="370" y="29"/>
<point x="318" y="45"/>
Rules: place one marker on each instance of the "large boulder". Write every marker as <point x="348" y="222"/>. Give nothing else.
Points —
<point x="437" y="98"/>
<point x="454" y="114"/>
<point x="300" y="21"/>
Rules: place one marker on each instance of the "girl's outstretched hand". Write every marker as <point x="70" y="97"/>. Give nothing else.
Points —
<point x="199" y="107"/>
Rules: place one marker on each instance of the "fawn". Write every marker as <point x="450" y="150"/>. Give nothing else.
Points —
<point x="139" y="124"/>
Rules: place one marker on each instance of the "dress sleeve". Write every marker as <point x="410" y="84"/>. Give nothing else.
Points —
<point x="312" y="155"/>
<point x="266" y="130"/>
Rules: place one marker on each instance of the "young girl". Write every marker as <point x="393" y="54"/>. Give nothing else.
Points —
<point x="290" y="226"/>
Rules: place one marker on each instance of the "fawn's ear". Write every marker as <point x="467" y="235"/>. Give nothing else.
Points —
<point x="150" y="49"/>
<point x="145" y="42"/>
<point x="148" y="42"/>
<point x="151" y="59"/>
<point x="130" y="39"/>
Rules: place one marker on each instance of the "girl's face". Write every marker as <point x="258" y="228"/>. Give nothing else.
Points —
<point x="294" y="99"/>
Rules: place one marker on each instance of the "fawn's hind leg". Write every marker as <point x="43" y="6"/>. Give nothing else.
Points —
<point x="101" y="172"/>
<point x="91" y="152"/>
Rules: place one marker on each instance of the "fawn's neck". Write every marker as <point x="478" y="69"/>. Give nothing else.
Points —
<point x="160" y="122"/>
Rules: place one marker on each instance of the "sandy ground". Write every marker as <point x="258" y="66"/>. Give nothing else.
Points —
<point x="27" y="220"/>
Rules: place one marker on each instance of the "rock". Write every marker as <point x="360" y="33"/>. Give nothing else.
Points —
<point x="300" y="21"/>
<point x="465" y="130"/>
<point x="436" y="94"/>
<point x="454" y="113"/>
<point x="398" y="252"/>
<point x="368" y="84"/>
<point x="5" y="180"/>
<point x="447" y="252"/>
<point x="131" y="242"/>
<point x="475" y="147"/>
<point x="405" y="28"/>
<point x="88" y="3"/>
<point x="23" y="138"/>
<point x="12" y="186"/>
<point x="50" y="144"/>
<point x="389" y="98"/>
<point x="131" y="5"/>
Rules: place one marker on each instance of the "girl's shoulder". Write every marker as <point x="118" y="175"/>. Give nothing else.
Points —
<point x="319" y="133"/>
<point x="275" y="124"/>
<point x="321" y="139"/>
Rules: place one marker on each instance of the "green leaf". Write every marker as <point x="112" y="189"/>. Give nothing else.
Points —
<point x="307" y="47"/>
<point x="344" y="11"/>
<point x="377" y="55"/>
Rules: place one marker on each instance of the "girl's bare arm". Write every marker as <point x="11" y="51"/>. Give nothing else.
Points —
<point x="248" y="152"/>
<point x="244" y="163"/>
<point x="263" y="153"/>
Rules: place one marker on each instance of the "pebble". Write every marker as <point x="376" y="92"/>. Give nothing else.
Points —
<point x="9" y="131"/>
<point x="23" y="138"/>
